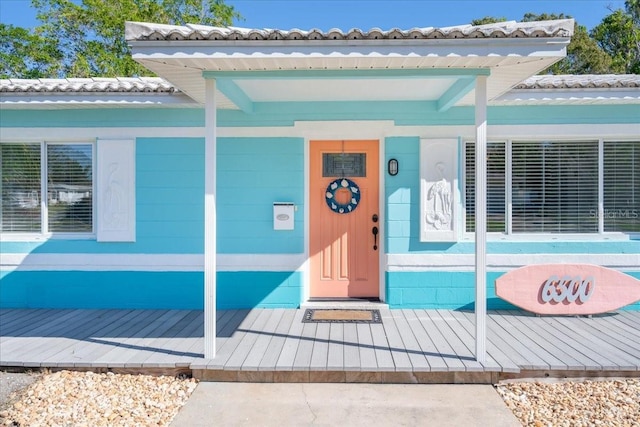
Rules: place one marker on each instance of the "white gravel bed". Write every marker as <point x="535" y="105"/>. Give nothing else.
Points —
<point x="614" y="403"/>
<point x="69" y="398"/>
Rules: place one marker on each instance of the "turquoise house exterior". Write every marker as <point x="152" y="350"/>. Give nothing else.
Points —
<point x="183" y="170"/>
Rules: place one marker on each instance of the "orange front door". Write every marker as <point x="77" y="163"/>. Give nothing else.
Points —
<point x="343" y="249"/>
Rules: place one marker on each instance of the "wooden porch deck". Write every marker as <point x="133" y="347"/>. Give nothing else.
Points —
<point x="274" y="345"/>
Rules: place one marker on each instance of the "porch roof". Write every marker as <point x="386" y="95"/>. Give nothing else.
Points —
<point x="427" y="64"/>
<point x="157" y="92"/>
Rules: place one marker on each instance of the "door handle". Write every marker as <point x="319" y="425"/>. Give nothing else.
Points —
<point x="374" y="230"/>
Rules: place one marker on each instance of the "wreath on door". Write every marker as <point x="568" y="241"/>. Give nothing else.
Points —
<point x="338" y="185"/>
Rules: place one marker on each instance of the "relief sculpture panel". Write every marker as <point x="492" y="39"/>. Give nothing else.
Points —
<point x="438" y="186"/>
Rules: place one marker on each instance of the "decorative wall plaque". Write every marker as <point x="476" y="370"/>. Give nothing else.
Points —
<point x="438" y="190"/>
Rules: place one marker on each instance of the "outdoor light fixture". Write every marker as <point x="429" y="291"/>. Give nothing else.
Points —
<point x="392" y="167"/>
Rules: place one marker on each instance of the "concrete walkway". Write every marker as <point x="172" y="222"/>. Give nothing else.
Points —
<point x="282" y="405"/>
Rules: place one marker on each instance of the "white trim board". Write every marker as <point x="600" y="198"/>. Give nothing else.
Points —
<point x="148" y="262"/>
<point x="368" y="129"/>
<point x="335" y="130"/>
<point x="501" y="262"/>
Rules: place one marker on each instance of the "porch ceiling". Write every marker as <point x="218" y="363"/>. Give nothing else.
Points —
<point x="335" y="67"/>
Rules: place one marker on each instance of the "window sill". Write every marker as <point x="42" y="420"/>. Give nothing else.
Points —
<point x="545" y="237"/>
<point x="39" y="237"/>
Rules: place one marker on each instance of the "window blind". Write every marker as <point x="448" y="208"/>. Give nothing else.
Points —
<point x="21" y="187"/>
<point x="554" y="187"/>
<point x="622" y="186"/>
<point x="495" y="186"/>
<point x="70" y="187"/>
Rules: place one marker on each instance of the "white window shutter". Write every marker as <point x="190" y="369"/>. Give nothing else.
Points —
<point x="116" y="191"/>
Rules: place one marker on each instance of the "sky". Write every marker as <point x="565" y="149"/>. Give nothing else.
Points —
<point x="368" y="14"/>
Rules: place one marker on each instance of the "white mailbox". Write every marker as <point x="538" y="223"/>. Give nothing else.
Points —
<point x="283" y="215"/>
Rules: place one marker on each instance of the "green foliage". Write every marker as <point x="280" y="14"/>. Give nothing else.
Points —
<point x="584" y="56"/>
<point x="89" y="34"/>
<point x="27" y="55"/>
<point x="488" y="20"/>
<point x="531" y="17"/>
<point x="619" y="36"/>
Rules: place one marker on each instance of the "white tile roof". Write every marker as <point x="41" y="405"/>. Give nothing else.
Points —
<point x="88" y="85"/>
<point x="586" y="81"/>
<point x="159" y="85"/>
<point x="142" y="31"/>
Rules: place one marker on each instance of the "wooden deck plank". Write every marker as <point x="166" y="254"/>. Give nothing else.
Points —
<point x="24" y="325"/>
<point x="17" y="320"/>
<point x="431" y="353"/>
<point x="192" y="335"/>
<point x="335" y="356"/>
<point x="290" y="346"/>
<point x="251" y="334"/>
<point x="520" y="349"/>
<point x="556" y="327"/>
<point x="10" y="316"/>
<point x="619" y="336"/>
<point x="541" y="348"/>
<point x="56" y="322"/>
<point x="396" y="346"/>
<point x="366" y="349"/>
<point x="167" y="350"/>
<point x="496" y="356"/>
<point x="416" y="356"/>
<point x="47" y="341"/>
<point x="85" y="350"/>
<point x="234" y="331"/>
<point x="63" y="347"/>
<point x="550" y="348"/>
<point x="320" y="352"/>
<point x="124" y="347"/>
<point x="104" y="346"/>
<point x="609" y="357"/>
<point x="305" y="348"/>
<point x="138" y="351"/>
<point x="534" y="329"/>
<point x="384" y="359"/>
<point x="351" y="350"/>
<point x="444" y="349"/>
<point x="449" y="327"/>
<point x="429" y="339"/>
<point x="630" y="320"/>
<point x="265" y="335"/>
<point x="273" y="350"/>
<point x="227" y="332"/>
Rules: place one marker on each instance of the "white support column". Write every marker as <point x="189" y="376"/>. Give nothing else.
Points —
<point x="210" y="220"/>
<point x="481" y="217"/>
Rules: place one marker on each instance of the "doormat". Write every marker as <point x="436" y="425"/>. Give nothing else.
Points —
<point x="315" y="315"/>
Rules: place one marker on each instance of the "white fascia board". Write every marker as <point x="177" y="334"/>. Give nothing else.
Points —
<point x="115" y="99"/>
<point x="522" y="47"/>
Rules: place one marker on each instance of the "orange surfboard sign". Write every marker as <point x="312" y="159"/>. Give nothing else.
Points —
<point x="573" y="289"/>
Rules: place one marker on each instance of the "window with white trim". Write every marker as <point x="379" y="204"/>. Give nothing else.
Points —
<point x="496" y="217"/>
<point x="61" y="171"/>
<point x="621" y="186"/>
<point x="556" y="187"/>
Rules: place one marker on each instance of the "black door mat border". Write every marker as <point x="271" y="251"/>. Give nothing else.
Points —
<point x="309" y="312"/>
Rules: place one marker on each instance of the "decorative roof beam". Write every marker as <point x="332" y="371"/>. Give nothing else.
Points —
<point x="459" y="89"/>
<point x="236" y="95"/>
